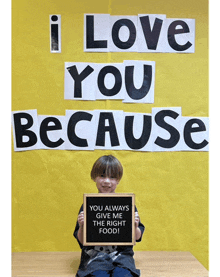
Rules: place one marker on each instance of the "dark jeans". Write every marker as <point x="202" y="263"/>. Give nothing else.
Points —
<point x="117" y="272"/>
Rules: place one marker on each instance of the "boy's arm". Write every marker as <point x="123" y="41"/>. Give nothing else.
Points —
<point x="138" y="233"/>
<point x="77" y="230"/>
<point x="81" y="224"/>
<point x="139" y="227"/>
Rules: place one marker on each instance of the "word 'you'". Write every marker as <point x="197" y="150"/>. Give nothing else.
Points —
<point x="130" y="81"/>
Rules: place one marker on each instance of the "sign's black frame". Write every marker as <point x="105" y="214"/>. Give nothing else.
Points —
<point x="102" y="198"/>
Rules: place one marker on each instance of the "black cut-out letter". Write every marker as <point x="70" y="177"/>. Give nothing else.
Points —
<point x="102" y="129"/>
<point x="22" y="130"/>
<point x="174" y="134"/>
<point x="132" y="142"/>
<point x="140" y="93"/>
<point x="172" y="31"/>
<point x="118" y="80"/>
<point x="74" y="119"/>
<point x="45" y="127"/>
<point x="90" y="42"/>
<point x="151" y="36"/>
<point x="115" y="33"/>
<point x="78" y="78"/>
<point x="188" y="129"/>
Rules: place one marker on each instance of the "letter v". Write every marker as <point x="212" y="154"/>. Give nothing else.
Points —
<point x="151" y="36"/>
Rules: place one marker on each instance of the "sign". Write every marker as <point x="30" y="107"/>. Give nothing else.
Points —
<point x="109" y="219"/>
<point x="140" y="33"/>
<point x="163" y="130"/>
<point x="131" y="81"/>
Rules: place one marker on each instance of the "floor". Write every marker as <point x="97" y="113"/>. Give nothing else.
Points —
<point x="151" y="264"/>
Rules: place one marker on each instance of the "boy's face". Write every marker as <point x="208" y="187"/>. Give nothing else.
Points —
<point x="106" y="184"/>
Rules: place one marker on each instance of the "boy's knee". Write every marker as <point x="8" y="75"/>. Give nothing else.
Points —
<point x="100" y="273"/>
<point x="121" y="272"/>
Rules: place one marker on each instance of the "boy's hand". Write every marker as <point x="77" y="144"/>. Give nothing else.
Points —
<point x="136" y="220"/>
<point x="137" y="229"/>
<point x="81" y="219"/>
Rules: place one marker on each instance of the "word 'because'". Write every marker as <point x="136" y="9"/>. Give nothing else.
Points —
<point x="163" y="130"/>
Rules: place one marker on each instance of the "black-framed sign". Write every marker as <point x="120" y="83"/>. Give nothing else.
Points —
<point x="109" y="219"/>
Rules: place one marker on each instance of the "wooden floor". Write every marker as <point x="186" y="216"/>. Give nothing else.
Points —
<point x="151" y="264"/>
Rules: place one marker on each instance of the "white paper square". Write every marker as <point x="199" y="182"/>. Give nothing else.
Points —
<point x="84" y="129"/>
<point x="87" y="84"/>
<point x="34" y="128"/>
<point x="142" y="45"/>
<point x="124" y="33"/>
<point x="197" y="137"/>
<point x="181" y="39"/>
<point x="109" y="80"/>
<point x="138" y="81"/>
<point x="137" y="131"/>
<point x="54" y="135"/>
<point x="118" y="117"/>
<point x="101" y="31"/>
<point x="162" y="133"/>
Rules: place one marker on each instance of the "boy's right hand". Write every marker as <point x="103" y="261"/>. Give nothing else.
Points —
<point x="81" y="219"/>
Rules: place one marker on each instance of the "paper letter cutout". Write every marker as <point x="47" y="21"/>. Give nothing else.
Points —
<point x="25" y="130"/>
<point x="96" y="32"/>
<point x="55" y="33"/>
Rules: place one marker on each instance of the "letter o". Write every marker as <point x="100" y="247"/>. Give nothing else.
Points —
<point x="118" y="80"/>
<point x="115" y="33"/>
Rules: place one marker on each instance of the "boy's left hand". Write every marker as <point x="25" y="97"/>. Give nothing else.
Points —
<point x="137" y="219"/>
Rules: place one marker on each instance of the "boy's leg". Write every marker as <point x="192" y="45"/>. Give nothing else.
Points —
<point x="121" y="272"/>
<point x="99" y="273"/>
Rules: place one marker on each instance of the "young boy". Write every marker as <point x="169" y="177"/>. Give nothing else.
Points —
<point x="106" y="261"/>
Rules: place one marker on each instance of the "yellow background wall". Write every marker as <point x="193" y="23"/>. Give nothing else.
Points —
<point x="47" y="185"/>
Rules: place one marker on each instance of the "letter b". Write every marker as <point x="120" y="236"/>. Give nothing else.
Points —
<point x="21" y="130"/>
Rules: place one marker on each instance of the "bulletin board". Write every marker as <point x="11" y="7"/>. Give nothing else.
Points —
<point x="50" y="173"/>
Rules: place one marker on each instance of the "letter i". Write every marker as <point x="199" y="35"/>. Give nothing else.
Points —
<point x="55" y="33"/>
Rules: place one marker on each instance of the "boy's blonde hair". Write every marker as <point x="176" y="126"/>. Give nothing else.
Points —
<point x="107" y="166"/>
